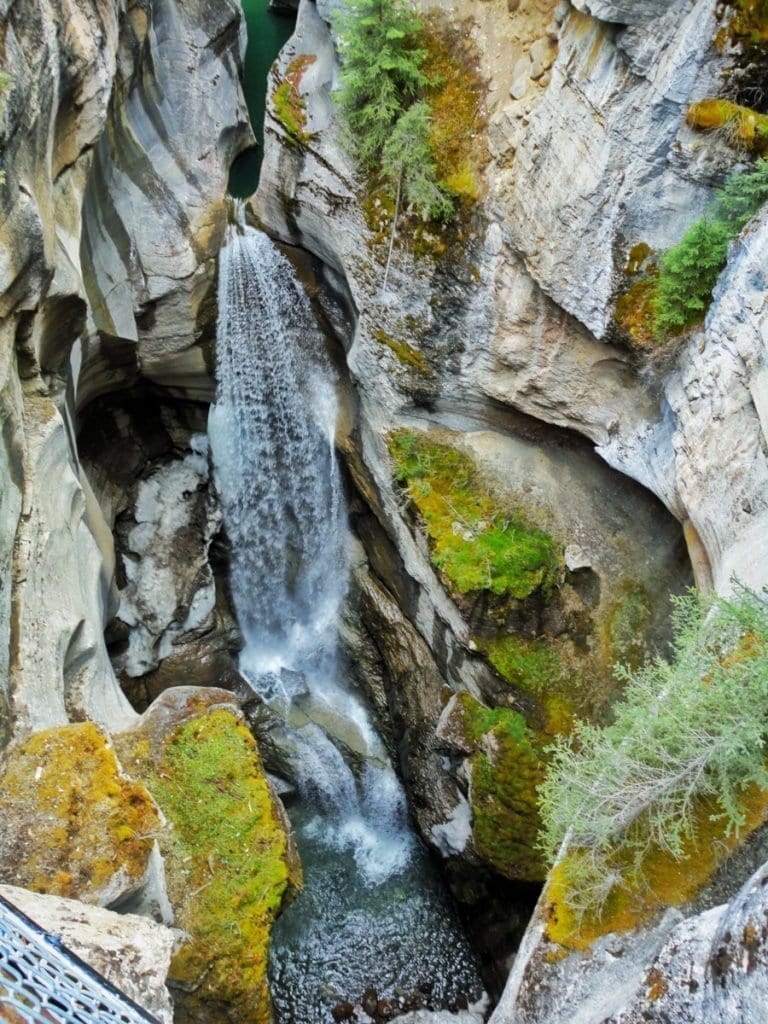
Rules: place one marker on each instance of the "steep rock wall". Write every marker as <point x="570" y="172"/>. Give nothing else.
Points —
<point x="119" y="128"/>
<point x="515" y="312"/>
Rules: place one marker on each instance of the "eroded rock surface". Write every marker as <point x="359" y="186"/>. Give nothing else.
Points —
<point x="118" y="132"/>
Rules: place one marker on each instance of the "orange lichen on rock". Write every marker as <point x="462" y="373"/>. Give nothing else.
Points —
<point x="660" y="881"/>
<point x="73" y="824"/>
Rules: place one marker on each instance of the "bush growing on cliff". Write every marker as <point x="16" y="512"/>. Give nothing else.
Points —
<point x="690" y="732"/>
<point x="689" y="270"/>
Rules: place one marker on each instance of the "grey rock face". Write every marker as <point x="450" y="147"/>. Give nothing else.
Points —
<point x="117" y="137"/>
<point x="611" y="119"/>
<point x="626" y="12"/>
<point x="175" y="124"/>
<point x="722" y="470"/>
<point x="709" y="967"/>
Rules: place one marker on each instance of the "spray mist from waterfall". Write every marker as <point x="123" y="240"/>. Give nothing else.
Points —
<point x="272" y="430"/>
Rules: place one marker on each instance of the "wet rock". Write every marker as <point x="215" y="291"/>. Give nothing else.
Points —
<point x="370" y="1001"/>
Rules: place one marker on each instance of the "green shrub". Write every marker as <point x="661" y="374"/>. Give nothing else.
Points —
<point x="690" y="730"/>
<point x="689" y="270"/>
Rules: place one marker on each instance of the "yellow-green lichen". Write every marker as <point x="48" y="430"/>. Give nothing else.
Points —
<point x="72" y="821"/>
<point x="477" y="539"/>
<point x="505" y="768"/>
<point x="227" y="861"/>
<point x="636" y="304"/>
<point x="626" y="625"/>
<point x="404" y="353"/>
<point x="455" y="94"/>
<point x="289" y="105"/>
<point x="743" y="128"/>
<point x="661" y="880"/>
<point x="750" y="22"/>
<point x="538" y="667"/>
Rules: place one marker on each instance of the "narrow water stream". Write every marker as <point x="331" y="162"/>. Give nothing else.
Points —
<point x="268" y="32"/>
<point x="372" y="912"/>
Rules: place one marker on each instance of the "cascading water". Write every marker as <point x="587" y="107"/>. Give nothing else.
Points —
<point x="272" y="433"/>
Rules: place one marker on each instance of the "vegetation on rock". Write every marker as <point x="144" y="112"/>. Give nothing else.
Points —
<point x="743" y="128"/>
<point x="226" y="856"/>
<point x="477" y="540"/>
<point x="289" y="104"/>
<point x="681" y="769"/>
<point x="411" y="101"/>
<point x="381" y="81"/>
<point x="505" y="768"/>
<point x="73" y="824"/>
<point x="667" y="298"/>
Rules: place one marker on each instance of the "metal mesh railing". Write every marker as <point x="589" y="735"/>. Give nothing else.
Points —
<point x="42" y="982"/>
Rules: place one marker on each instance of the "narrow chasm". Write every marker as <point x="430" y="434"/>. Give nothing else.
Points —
<point x="268" y="28"/>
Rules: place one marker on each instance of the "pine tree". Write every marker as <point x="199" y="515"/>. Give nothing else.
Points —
<point x="381" y="72"/>
<point x="742" y="196"/>
<point x="407" y="158"/>
<point x="689" y="272"/>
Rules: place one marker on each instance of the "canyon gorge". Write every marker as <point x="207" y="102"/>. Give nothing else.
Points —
<point x="321" y="522"/>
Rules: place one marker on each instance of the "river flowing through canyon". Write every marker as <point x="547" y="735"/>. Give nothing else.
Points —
<point x="372" y="912"/>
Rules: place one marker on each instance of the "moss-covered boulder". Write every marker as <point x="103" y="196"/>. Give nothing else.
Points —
<point x="505" y="766"/>
<point x="73" y="824"/>
<point x="228" y="854"/>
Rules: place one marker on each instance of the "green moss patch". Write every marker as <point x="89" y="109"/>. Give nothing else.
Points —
<point x="477" y="540"/>
<point x="505" y="767"/>
<point x="405" y="354"/>
<point x="636" y="307"/>
<point x="289" y="105"/>
<point x="456" y="95"/>
<point x="750" y="22"/>
<point x="227" y="859"/>
<point x="73" y="824"/>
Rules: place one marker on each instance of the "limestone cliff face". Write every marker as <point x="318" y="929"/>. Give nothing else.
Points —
<point x="120" y="123"/>
<point x="509" y="332"/>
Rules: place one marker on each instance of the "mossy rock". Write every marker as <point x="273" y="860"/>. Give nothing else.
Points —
<point x="643" y="890"/>
<point x="229" y="859"/>
<point x="288" y="103"/>
<point x="477" y="540"/>
<point x="73" y="824"/>
<point x="506" y="765"/>
<point x="743" y="127"/>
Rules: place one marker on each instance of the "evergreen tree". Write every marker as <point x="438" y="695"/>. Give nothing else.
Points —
<point x="381" y="71"/>
<point x="688" y="273"/>
<point x="407" y="159"/>
<point x="742" y="196"/>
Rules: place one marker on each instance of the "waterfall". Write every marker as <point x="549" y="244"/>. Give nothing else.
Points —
<point x="372" y="911"/>
<point x="272" y="436"/>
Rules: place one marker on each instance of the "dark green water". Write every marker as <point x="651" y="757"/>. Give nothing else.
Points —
<point x="267" y="34"/>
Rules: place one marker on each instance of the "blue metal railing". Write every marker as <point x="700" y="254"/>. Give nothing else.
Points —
<point x="42" y="982"/>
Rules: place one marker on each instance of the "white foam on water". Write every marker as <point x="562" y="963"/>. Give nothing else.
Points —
<point x="272" y="437"/>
